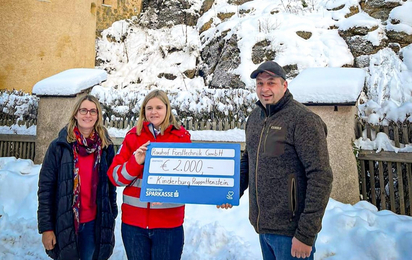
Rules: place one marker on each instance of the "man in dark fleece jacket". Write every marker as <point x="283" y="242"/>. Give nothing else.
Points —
<point x="286" y="167"/>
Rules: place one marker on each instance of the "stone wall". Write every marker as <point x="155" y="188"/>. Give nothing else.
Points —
<point x="114" y="10"/>
<point x="42" y="38"/>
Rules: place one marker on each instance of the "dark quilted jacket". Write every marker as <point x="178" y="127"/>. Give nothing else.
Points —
<point x="286" y="167"/>
<point x="55" y="197"/>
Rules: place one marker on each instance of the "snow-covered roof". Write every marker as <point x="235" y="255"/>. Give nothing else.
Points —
<point x="69" y="82"/>
<point x="328" y="86"/>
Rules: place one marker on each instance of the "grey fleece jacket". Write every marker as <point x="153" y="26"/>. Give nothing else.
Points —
<point x="286" y="166"/>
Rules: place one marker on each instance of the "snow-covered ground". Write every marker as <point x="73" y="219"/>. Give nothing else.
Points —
<point x="357" y="232"/>
<point x="349" y="231"/>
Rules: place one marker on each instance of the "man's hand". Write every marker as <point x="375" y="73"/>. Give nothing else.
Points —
<point x="48" y="239"/>
<point x="299" y="249"/>
<point x="224" y="206"/>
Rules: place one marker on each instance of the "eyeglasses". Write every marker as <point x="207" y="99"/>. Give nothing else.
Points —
<point x="83" y="111"/>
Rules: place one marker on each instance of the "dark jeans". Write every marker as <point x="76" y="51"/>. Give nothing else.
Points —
<point x="152" y="244"/>
<point x="86" y="240"/>
<point x="279" y="247"/>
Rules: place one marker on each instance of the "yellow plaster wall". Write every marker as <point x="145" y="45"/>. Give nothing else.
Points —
<point x="43" y="37"/>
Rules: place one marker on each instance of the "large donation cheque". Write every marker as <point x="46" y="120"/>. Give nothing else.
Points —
<point x="196" y="173"/>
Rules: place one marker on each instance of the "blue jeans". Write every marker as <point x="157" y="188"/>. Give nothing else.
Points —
<point x="152" y="244"/>
<point x="279" y="247"/>
<point x="86" y="240"/>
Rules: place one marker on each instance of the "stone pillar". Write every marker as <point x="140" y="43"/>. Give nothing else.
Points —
<point x="58" y="94"/>
<point x="341" y="134"/>
<point x="53" y="114"/>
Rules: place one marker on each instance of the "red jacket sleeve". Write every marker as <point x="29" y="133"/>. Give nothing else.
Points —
<point x="124" y="168"/>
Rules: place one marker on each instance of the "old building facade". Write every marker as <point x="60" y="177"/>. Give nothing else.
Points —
<point x="41" y="38"/>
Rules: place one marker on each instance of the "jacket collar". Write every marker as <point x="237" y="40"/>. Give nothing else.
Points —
<point x="62" y="137"/>
<point x="272" y="109"/>
<point x="150" y="128"/>
<point x="153" y="130"/>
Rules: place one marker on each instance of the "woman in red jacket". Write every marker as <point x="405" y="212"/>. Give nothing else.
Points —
<point x="149" y="230"/>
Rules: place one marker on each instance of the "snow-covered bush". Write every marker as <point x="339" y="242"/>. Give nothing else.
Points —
<point x="18" y="105"/>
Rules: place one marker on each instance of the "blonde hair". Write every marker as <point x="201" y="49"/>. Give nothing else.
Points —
<point x="169" y="118"/>
<point x="98" y="126"/>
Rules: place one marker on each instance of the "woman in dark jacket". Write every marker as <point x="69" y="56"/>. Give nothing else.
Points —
<point x="77" y="202"/>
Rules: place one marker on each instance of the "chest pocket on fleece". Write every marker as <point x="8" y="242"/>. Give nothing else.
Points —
<point x="275" y="140"/>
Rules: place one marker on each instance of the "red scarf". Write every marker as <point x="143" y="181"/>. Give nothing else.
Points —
<point x="83" y="147"/>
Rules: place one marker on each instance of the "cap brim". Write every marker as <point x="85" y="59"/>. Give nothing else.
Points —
<point x="255" y="73"/>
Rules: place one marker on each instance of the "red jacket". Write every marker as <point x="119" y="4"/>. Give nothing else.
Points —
<point x="125" y="171"/>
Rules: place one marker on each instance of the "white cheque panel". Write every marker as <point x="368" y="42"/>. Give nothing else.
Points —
<point x="192" y="166"/>
<point x="191" y="181"/>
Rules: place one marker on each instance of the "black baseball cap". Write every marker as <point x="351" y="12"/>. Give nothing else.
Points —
<point x="270" y="67"/>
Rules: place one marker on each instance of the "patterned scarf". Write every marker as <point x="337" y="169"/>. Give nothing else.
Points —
<point x="83" y="147"/>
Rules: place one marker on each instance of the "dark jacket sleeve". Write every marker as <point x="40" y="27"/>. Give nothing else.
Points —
<point x="244" y="172"/>
<point x="244" y="169"/>
<point x="47" y="189"/>
<point x="112" y="188"/>
<point x="312" y="149"/>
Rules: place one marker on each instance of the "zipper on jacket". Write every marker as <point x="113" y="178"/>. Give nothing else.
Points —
<point x="256" y="173"/>
<point x="266" y="137"/>
<point x="293" y="197"/>
<point x="147" y="215"/>
<point x="152" y="130"/>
